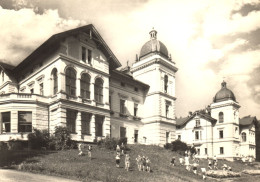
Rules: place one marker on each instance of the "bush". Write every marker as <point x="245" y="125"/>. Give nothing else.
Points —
<point x="38" y="139"/>
<point x="14" y="145"/>
<point x="3" y="146"/>
<point x="62" y="139"/>
<point x="180" y="147"/>
<point x="111" y="143"/>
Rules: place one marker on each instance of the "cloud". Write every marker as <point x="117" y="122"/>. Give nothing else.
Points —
<point x="24" y="30"/>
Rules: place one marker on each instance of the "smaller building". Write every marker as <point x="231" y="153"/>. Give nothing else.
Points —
<point x="218" y="130"/>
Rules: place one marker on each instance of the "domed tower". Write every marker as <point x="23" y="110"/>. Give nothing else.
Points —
<point x="225" y="109"/>
<point x="156" y="68"/>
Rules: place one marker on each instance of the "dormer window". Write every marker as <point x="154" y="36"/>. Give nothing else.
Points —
<point x="197" y="122"/>
<point x="83" y="54"/>
<point x="89" y="56"/>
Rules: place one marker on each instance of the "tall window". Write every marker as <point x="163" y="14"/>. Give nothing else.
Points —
<point x="221" y="117"/>
<point x="122" y="106"/>
<point x="55" y="81"/>
<point x="221" y="150"/>
<point x="165" y="83"/>
<point x="135" y="109"/>
<point x="83" y="54"/>
<point x="243" y="137"/>
<point x="85" y="86"/>
<point x="41" y="89"/>
<point x="206" y="151"/>
<point x="167" y="137"/>
<point x="71" y="120"/>
<point x="122" y="132"/>
<point x="71" y="82"/>
<point x="197" y="137"/>
<point x="89" y="56"/>
<point x="85" y="123"/>
<point x="167" y="110"/>
<point x="99" y="125"/>
<point x="198" y="151"/>
<point x="24" y="121"/>
<point x="6" y="122"/>
<point x="221" y="134"/>
<point x="32" y="90"/>
<point x="98" y="90"/>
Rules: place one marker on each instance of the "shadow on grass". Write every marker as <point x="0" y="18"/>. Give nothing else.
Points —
<point x="14" y="157"/>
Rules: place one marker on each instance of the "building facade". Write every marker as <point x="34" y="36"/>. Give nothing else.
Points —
<point x="73" y="79"/>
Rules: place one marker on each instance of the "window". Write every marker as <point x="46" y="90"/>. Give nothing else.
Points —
<point x="83" y="54"/>
<point x="98" y="90"/>
<point x="197" y="135"/>
<point x="136" y="136"/>
<point x="243" y="137"/>
<point x="198" y="151"/>
<point x="99" y="125"/>
<point x="136" y="89"/>
<point x="122" y="106"/>
<point x="165" y="83"/>
<point x="32" y="90"/>
<point x="85" y="86"/>
<point x="24" y="121"/>
<point x="85" y="123"/>
<point x="135" y="109"/>
<point x="122" y="132"/>
<point x="167" y="110"/>
<point x="89" y="56"/>
<point x="167" y="137"/>
<point x="71" y="82"/>
<point x="197" y="122"/>
<point x="221" y="117"/>
<point x="221" y="150"/>
<point x="206" y="151"/>
<point x="6" y="120"/>
<point x="55" y="81"/>
<point x="221" y="135"/>
<point x="41" y="89"/>
<point x="71" y="120"/>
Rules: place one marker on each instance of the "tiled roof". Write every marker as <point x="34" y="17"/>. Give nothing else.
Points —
<point x="247" y="120"/>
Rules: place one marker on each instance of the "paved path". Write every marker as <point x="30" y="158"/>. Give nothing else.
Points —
<point x="7" y="175"/>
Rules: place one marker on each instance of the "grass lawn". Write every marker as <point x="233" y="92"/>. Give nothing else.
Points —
<point x="102" y="167"/>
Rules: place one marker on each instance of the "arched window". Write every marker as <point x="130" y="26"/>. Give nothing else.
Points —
<point x="221" y="117"/>
<point x="99" y="90"/>
<point x="84" y="86"/>
<point x="71" y="82"/>
<point x="165" y="83"/>
<point x="55" y="81"/>
<point x="243" y="137"/>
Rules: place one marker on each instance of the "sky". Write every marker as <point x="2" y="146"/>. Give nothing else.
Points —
<point x="210" y="41"/>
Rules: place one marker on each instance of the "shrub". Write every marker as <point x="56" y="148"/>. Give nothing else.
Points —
<point x="14" y="145"/>
<point x="3" y="146"/>
<point x="180" y="147"/>
<point x="38" y="139"/>
<point x="111" y="143"/>
<point x="62" y="139"/>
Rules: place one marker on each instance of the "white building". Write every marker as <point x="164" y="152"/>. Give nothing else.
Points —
<point x="73" y="80"/>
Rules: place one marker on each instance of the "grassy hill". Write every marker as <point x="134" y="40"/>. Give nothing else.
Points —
<point x="102" y="167"/>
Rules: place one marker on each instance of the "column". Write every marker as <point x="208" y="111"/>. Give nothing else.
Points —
<point x="78" y="125"/>
<point x="78" y="87"/>
<point x="106" y="126"/>
<point x="92" y="92"/>
<point x="14" y="122"/>
<point x="93" y="127"/>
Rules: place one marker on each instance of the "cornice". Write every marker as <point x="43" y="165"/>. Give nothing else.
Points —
<point x="161" y="93"/>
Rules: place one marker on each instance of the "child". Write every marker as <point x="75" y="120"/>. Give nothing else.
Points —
<point x="143" y="163"/>
<point x="215" y="165"/>
<point x="122" y="148"/>
<point x="187" y="163"/>
<point x="80" y="149"/>
<point x="181" y="161"/>
<point x="117" y="160"/>
<point x="148" y="164"/>
<point x="89" y="151"/>
<point x="139" y="162"/>
<point x="195" y="167"/>
<point x="215" y="159"/>
<point x="209" y="164"/>
<point x="117" y="149"/>
<point x="203" y="170"/>
<point x="172" y="161"/>
<point x="229" y="168"/>
<point x="127" y="162"/>
<point x="224" y="167"/>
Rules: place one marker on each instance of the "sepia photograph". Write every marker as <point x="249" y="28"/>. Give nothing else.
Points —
<point x="129" y="91"/>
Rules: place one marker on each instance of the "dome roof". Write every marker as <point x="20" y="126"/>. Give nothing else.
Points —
<point x="224" y="94"/>
<point x="153" y="45"/>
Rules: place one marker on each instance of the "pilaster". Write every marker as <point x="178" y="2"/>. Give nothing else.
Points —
<point x="78" y="125"/>
<point x="93" y="127"/>
<point x="61" y="82"/>
<point x="78" y="87"/>
<point x="14" y="121"/>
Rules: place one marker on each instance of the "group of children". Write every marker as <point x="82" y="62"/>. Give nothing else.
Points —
<point x="81" y="153"/>
<point x="143" y="163"/>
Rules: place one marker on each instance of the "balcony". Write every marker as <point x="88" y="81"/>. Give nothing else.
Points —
<point x="23" y="97"/>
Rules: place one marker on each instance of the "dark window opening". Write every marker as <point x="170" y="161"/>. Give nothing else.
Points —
<point x="85" y="86"/>
<point x="71" y="82"/>
<point x="89" y="56"/>
<point x="85" y="123"/>
<point x="83" y="54"/>
<point x="98" y="90"/>
<point x="6" y="120"/>
<point x="71" y="120"/>
<point x="24" y="121"/>
<point x="99" y="125"/>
